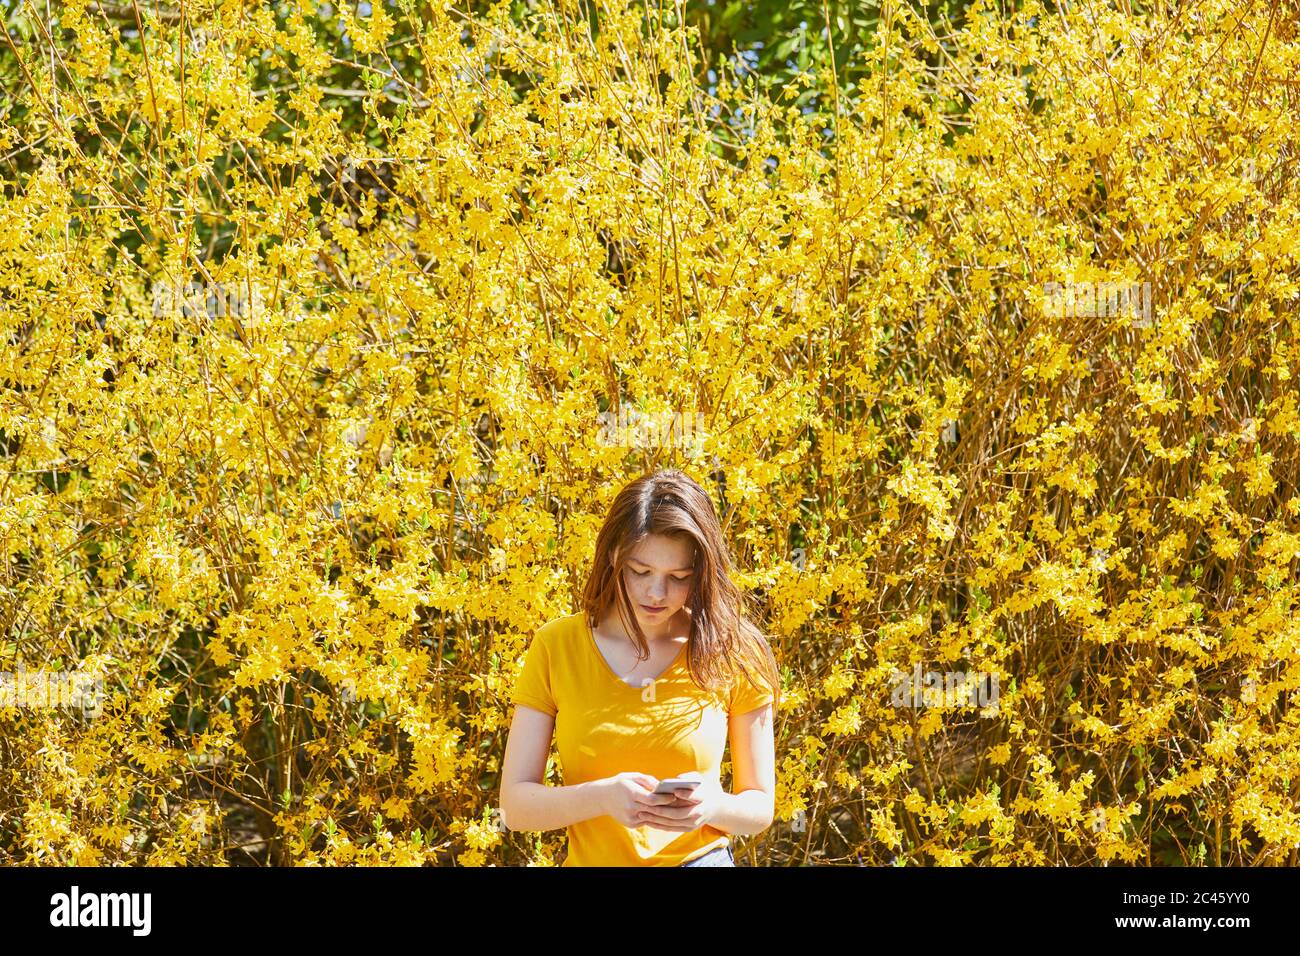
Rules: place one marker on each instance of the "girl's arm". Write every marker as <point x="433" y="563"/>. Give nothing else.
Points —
<point x="526" y="802"/>
<point x="750" y="808"/>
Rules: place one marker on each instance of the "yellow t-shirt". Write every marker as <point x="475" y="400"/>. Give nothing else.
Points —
<point x="605" y="726"/>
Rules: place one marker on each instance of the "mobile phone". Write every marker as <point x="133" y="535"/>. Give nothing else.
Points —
<point x="673" y="784"/>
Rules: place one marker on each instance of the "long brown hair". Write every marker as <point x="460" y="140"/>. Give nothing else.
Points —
<point x="722" y="640"/>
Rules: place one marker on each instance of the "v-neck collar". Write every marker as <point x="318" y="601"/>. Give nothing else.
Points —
<point x="591" y="642"/>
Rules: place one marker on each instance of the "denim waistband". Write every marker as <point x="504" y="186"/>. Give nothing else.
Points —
<point x="718" y="856"/>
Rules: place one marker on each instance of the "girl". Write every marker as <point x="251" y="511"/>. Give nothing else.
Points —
<point x="648" y="682"/>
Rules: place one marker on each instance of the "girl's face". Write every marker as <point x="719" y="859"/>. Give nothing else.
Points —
<point x="658" y="578"/>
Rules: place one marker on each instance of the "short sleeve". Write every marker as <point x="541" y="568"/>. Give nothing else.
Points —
<point x="746" y="697"/>
<point x="533" y="688"/>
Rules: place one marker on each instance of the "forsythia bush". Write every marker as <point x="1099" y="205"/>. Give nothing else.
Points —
<point x="303" y="521"/>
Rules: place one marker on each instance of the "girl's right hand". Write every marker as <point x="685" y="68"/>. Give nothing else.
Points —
<point x="628" y="793"/>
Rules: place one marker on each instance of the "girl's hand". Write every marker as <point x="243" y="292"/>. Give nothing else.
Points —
<point x="688" y="811"/>
<point x="627" y="793"/>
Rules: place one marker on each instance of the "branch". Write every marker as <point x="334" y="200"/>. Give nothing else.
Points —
<point x="116" y="11"/>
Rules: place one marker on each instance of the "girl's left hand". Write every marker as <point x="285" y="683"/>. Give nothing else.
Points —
<point x="686" y="812"/>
